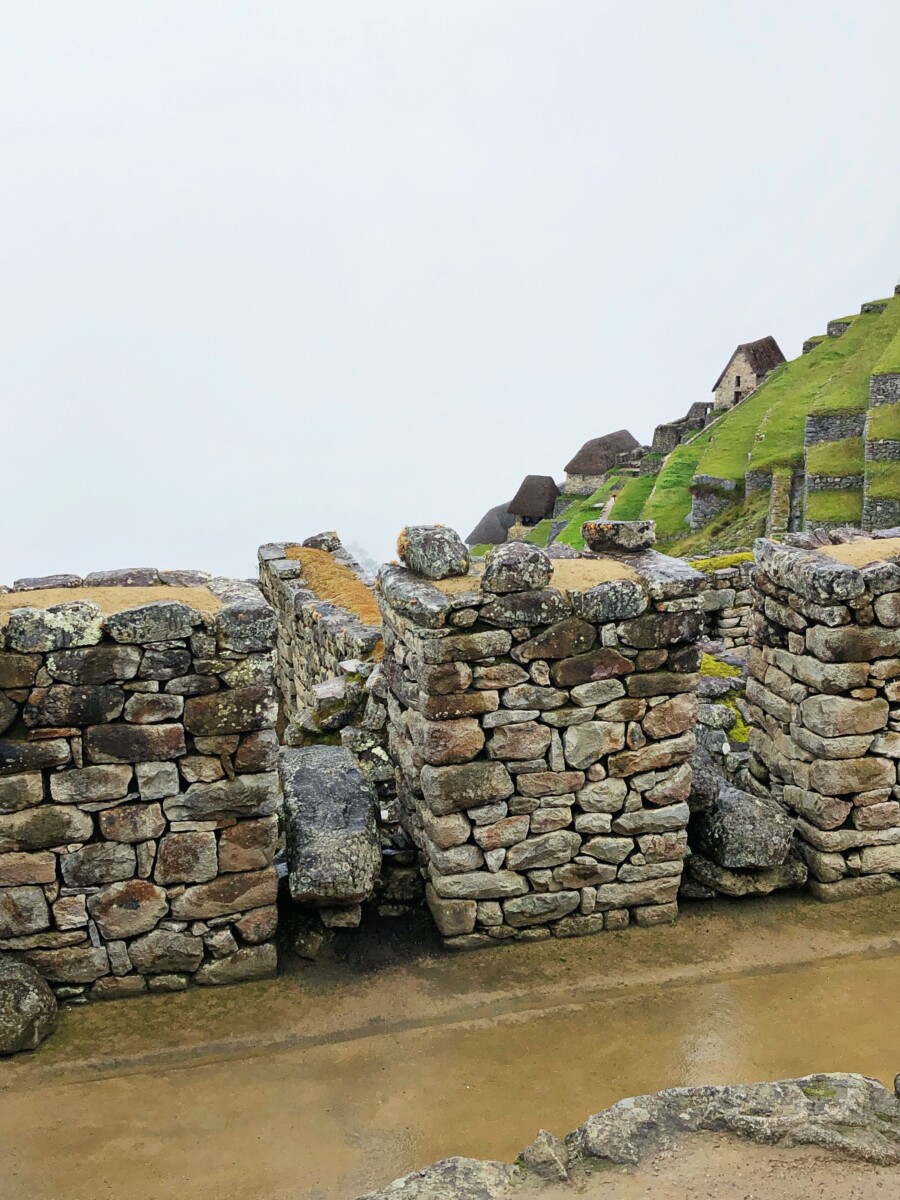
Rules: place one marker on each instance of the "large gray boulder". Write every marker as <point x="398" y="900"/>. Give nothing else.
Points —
<point x="433" y="551"/>
<point x="847" y="1114"/>
<point x="333" y="849"/>
<point x="742" y="831"/>
<point x="27" y="1007"/>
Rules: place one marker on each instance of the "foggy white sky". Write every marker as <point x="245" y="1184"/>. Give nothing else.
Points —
<point x="274" y="267"/>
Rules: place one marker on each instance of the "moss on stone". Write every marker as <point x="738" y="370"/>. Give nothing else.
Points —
<point x="720" y="562"/>
<point x="710" y="665"/>
<point x="819" y="1091"/>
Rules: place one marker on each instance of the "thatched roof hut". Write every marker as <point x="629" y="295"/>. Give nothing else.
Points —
<point x="535" y="498"/>
<point x="599" y="454"/>
<point x="491" y="530"/>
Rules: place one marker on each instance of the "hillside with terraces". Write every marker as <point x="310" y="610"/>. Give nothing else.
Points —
<point x="816" y="445"/>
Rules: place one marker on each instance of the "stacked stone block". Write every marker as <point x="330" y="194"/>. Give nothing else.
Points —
<point x="542" y="737"/>
<point x="138" y="788"/>
<point x="726" y="602"/>
<point x="825" y="696"/>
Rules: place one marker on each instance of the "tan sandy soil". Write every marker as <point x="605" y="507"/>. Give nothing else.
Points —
<point x="569" y="574"/>
<point x="709" y="1167"/>
<point x="335" y="583"/>
<point x="329" y="1082"/>
<point x="863" y="552"/>
<point x="110" y="599"/>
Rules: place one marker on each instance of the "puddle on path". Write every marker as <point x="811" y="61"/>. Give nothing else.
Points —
<point x="333" y="1120"/>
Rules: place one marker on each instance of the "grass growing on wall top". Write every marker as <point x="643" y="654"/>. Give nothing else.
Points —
<point x="670" y="501"/>
<point x="883" y="479"/>
<point x="883" y="423"/>
<point x="844" y="508"/>
<point x="844" y="457"/>
<point x="719" y="562"/>
<point x="848" y="389"/>
<point x="630" y="500"/>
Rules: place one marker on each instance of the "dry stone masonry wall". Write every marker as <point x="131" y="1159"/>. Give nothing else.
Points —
<point x="726" y="599"/>
<point x="315" y="636"/>
<point x="138" y="782"/>
<point x="541" y="717"/>
<point x="825" y="695"/>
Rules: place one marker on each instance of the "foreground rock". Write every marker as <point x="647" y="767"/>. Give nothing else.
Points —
<point x="27" y="1007"/>
<point x="850" y="1114"/>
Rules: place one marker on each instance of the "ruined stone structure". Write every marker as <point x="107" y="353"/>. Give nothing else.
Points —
<point x="825" y="696"/>
<point x="138" y="791"/>
<point x="748" y="366"/>
<point x="541" y="719"/>
<point x="726" y="599"/>
<point x="584" y="473"/>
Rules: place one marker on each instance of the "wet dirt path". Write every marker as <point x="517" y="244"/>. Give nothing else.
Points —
<point x="330" y="1084"/>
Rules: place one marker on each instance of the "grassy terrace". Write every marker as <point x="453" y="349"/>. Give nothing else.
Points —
<point x="883" y="479"/>
<point x="844" y="457"/>
<point x="670" y="501"/>
<point x="848" y="390"/>
<point x="889" y="362"/>
<point x="829" y="508"/>
<point x="766" y="432"/>
<point x="630" y="500"/>
<point x="884" y="422"/>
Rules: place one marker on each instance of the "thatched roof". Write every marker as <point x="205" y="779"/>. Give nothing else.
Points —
<point x="535" y="498"/>
<point x="492" y="528"/>
<point x="764" y="356"/>
<point x="599" y="454"/>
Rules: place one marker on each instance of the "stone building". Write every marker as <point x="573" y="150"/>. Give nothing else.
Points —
<point x="746" y="369"/>
<point x="533" y="502"/>
<point x="585" y="472"/>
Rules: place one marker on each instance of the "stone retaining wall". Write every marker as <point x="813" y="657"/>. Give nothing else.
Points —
<point x="825" y="696"/>
<point x="138" y="790"/>
<point x="726" y="601"/>
<point x="833" y="427"/>
<point x="542" y="738"/>
<point x="710" y="495"/>
<point x="884" y="389"/>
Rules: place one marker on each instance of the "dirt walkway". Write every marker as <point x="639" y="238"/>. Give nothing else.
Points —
<point x="329" y="1084"/>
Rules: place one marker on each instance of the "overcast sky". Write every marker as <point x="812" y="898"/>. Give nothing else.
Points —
<point x="274" y="267"/>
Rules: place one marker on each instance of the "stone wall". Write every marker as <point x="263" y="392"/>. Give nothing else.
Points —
<point x="884" y="389"/>
<point x="138" y="790"/>
<point x="825" y="696"/>
<point x="738" y="368"/>
<point x="710" y="496"/>
<point x="833" y="427"/>
<point x="542" y="735"/>
<point x="726" y="600"/>
<point x="315" y="636"/>
<point x="582" y="485"/>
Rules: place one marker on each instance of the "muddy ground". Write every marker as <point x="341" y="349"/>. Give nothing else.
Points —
<point x="330" y="1081"/>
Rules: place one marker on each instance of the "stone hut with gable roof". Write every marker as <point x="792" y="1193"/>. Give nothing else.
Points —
<point x="745" y="370"/>
<point x="585" y="472"/>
